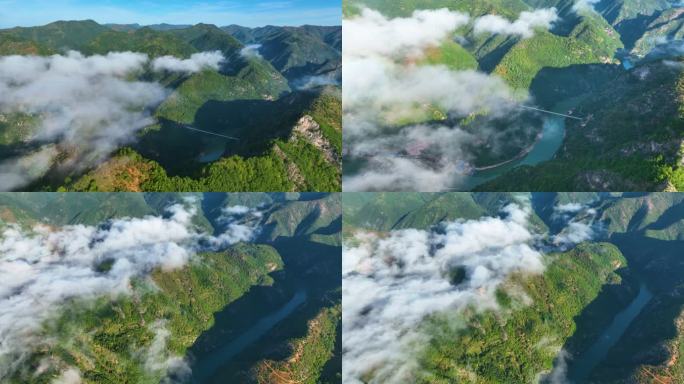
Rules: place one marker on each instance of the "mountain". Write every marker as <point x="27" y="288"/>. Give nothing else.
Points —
<point x="629" y="141"/>
<point x="156" y="27"/>
<point x="613" y="67"/>
<point x="185" y="316"/>
<point x="605" y="309"/>
<point x="297" y="153"/>
<point x="297" y="52"/>
<point x="618" y="11"/>
<point x="288" y="123"/>
<point x="12" y="44"/>
<point x="144" y="40"/>
<point x="60" y="35"/>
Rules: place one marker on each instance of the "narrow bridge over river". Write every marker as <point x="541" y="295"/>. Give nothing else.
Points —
<point x="209" y="133"/>
<point x="550" y="112"/>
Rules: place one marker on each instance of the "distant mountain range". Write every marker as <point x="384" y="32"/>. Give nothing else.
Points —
<point x="294" y="51"/>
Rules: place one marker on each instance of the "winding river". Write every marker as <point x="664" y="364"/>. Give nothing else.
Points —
<point x="581" y="367"/>
<point x="258" y="324"/>
<point x="553" y="133"/>
<point x="211" y="363"/>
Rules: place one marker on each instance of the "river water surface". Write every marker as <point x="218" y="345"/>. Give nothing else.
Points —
<point x="553" y="133"/>
<point x="207" y="366"/>
<point x="259" y="324"/>
<point x="581" y="367"/>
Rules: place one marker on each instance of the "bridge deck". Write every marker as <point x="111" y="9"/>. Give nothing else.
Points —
<point x="551" y="112"/>
<point x="209" y="133"/>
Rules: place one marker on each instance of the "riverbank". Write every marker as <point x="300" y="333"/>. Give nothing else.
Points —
<point x="260" y="325"/>
<point x="581" y="367"/>
<point x="519" y="156"/>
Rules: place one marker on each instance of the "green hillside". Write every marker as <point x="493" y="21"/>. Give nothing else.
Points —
<point x="621" y="145"/>
<point x="522" y="63"/>
<point x="665" y="23"/>
<point x="296" y="52"/>
<point x="252" y="82"/>
<point x="452" y="55"/>
<point x="592" y="40"/>
<point x="99" y="340"/>
<point x="620" y="10"/>
<point x="614" y="66"/>
<point x="12" y="45"/>
<point x="114" y="338"/>
<point x="277" y="158"/>
<point x="61" y="35"/>
<point x="569" y="306"/>
<point x="512" y="350"/>
<point x="142" y="40"/>
<point x="247" y="97"/>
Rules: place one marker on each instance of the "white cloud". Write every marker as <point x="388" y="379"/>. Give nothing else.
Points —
<point x="310" y="82"/>
<point x="391" y="283"/>
<point x="236" y="210"/>
<point x="157" y="357"/>
<point x="568" y="208"/>
<point x="69" y="376"/>
<point x="584" y="5"/>
<point x="524" y="26"/>
<point x="196" y="63"/>
<point x="42" y="268"/>
<point x="377" y="91"/>
<point x="401" y="174"/>
<point x="579" y="224"/>
<point x="251" y="51"/>
<point x="574" y="233"/>
<point x="565" y="212"/>
<point x="16" y="173"/>
<point x="674" y="64"/>
<point x="86" y="106"/>
<point x="237" y="225"/>
<point x="385" y="92"/>
<point x="373" y="34"/>
<point x="559" y="374"/>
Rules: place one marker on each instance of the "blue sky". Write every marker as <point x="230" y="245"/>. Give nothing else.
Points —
<point x="249" y="13"/>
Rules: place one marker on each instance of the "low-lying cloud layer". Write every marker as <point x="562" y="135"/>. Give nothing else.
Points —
<point x="399" y="36"/>
<point x="579" y="223"/>
<point x="82" y="106"/>
<point x="251" y="51"/>
<point x="391" y="283"/>
<point x="157" y="357"/>
<point x="42" y="268"/>
<point x="387" y="89"/>
<point x="196" y="63"/>
<point x="312" y="82"/>
<point x="524" y="26"/>
<point x="584" y="5"/>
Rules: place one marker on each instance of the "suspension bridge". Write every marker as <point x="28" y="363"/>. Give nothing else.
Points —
<point x="209" y="133"/>
<point x="550" y="112"/>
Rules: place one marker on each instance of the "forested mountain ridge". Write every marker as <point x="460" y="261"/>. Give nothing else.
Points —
<point x="170" y="323"/>
<point x="548" y="324"/>
<point x="595" y="58"/>
<point x="258" y="94"/>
